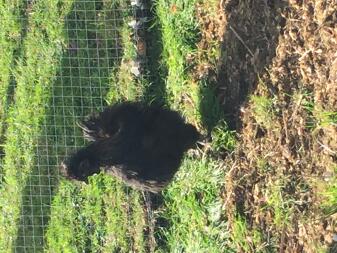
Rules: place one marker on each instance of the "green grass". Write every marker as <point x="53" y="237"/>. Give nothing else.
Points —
<point x="196" y="99"/>
<point x="62" y="69"/>
<point x="318" y="117"/>
<point x="179" y="31"/>
<point x="282" y="207"/>
<point x="193" y="209"/>
<point x="325" y="118"/>
<point x="102" y="217"/>
<point x="240" y="233"/>
<point x="222" y="138"/>
<point x="124" y="84"/>
<point x="328" y="193"/>
<point x="98" y="217"/>
<point x="33" y="79"/>
<point x="10" y="35"/>
<point x="65" y="233"/>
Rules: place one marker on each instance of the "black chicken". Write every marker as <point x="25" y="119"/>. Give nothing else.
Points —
<point x="140" y="144"/>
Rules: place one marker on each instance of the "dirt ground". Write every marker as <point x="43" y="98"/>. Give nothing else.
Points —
<point x="285" y="53"/>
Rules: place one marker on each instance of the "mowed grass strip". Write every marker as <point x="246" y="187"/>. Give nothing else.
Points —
<point x="81" y="81"/>
<point x="10" y="34"/>
<point x="180" y="32"/>
<point x="124" y="85"/>
<point x="192" y="93"/>
<point x="106" y="216"/>
<point x="33" y="74"/>
<point x="98" y="217"/>
<point x="192" y="206"/>
<point x="102" y="216"/>
<point x="193" y="209"/>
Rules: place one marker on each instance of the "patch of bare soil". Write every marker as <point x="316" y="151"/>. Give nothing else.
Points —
<point x="286" y="157"/>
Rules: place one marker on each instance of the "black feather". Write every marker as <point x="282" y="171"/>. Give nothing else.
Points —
<point x="142" y="145"/>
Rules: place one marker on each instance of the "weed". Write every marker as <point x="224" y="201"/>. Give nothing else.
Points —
<point x="318" y="117"/>
<point x="222" y="138"/>
<point x="281" y="207"/>
<point x="325" y="118"/>
<point x="263" y="112"/>
<point x="240" y="233"/>
<point x="328" y="190"/>
<point x="262" y="165"/>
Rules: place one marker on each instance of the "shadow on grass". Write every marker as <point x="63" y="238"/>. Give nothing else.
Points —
<point x="81" y="84"/>
<point x="156" y="91"/>
<point x="249" y="44"/>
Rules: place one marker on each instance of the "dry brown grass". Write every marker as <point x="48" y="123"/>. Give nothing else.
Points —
<point x="279" y="174"/>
